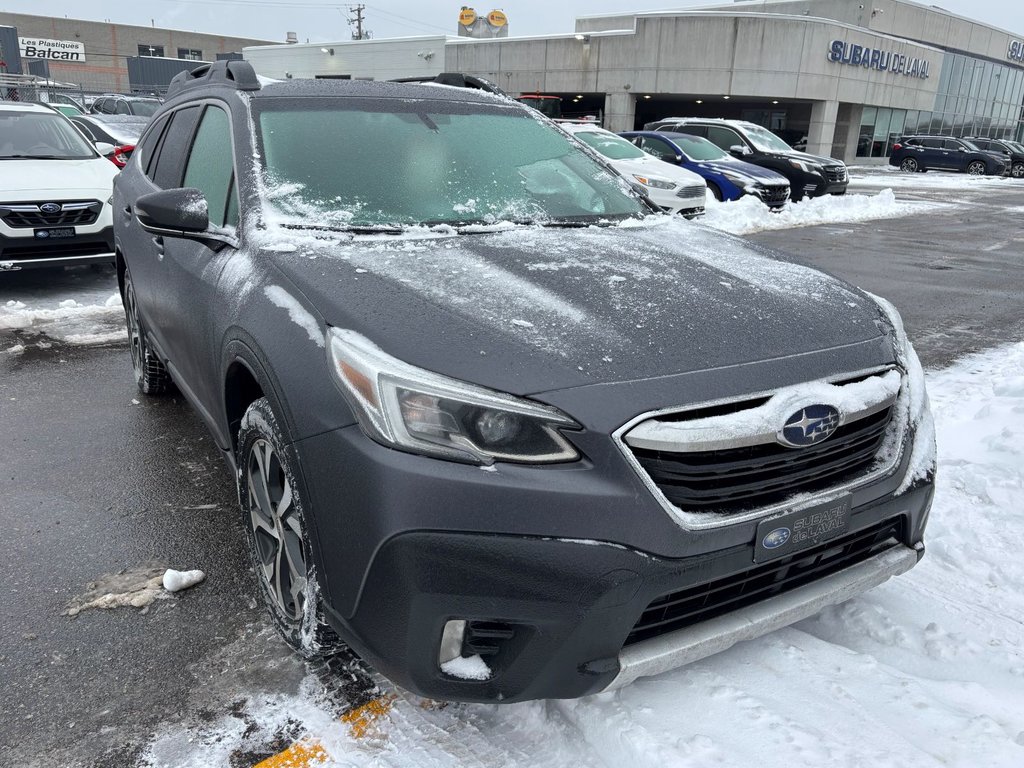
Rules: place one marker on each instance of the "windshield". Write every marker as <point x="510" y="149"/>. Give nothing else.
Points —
<point x="145" y="108"/>
<point x="383" y="163"/>
<point x="610" y="146"/>
<point x="41" y="135"/>
<point x="697" y="148"/>
<point x="765" y="140"/>
<point x="1016" y="146"/>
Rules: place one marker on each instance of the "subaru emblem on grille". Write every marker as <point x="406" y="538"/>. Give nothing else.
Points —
<point x="776" y="538"/>
<point x="809" y="425"/>
<point x="50" y="207"/>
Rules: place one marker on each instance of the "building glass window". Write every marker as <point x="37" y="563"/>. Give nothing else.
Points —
<point x="150" y="50"/>
<point x="977" y="97"/>
<point x="192" y="54"/>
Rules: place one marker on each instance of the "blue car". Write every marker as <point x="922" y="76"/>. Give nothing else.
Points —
<point x="727" y="177"/>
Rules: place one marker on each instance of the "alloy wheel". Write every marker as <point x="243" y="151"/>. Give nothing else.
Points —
<point x="277" y="530"/>
<point x="977" y="168"/>
<point x="1018" y="171"/>
<point x="909" y="164"/>
<point x="131" y="314"/>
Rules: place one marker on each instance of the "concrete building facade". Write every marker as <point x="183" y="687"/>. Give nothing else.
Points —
<point x="849" y="78"/>
<point x="93" y="55"/>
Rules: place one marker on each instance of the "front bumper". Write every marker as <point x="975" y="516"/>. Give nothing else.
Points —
<point x="17" y="253"/>
<point x="407" y="544"/>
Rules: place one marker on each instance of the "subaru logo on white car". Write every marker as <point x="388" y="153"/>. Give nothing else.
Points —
<point x="50" y="208"/>
<point x="775" y="539"/>
<point x="809" y="425"/>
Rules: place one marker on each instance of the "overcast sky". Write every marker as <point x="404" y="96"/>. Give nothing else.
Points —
<point x="322" y="20"/>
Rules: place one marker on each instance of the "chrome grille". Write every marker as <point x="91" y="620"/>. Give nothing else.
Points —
<point x="67" y="214"/>
<point x="836" y="173"/>
<point x="692" y="193"/>
<point x="726" y="460"/>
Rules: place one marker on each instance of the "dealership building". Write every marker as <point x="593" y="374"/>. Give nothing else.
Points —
<point x="100" y="56"/>
<point x="851" y="77"/>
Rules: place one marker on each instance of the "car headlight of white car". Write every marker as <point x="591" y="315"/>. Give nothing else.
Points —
<point x="654" y="182"/>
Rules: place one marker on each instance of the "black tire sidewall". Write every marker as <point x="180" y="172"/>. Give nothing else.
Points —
<point x="309" y="636"/>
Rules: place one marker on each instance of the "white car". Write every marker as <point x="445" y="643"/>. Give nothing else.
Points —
<point x="55" y="191"/>
<point x="675" y="189"/>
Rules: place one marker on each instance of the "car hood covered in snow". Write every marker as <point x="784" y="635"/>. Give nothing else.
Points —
<point x="533" y="309"/>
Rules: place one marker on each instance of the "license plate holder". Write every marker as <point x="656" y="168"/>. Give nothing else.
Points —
<point x="793" y="531"/>
<point x="55" y="233"/>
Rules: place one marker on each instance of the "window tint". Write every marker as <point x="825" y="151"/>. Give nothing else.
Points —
<point x="210" y="163"/>
<point x="101" y="106"/>
<point x="932" y="143"/>
<point x="724" y="137"/>
<point x="121" y="107"/>
<point x="953" y="144"/>
<point x="692" y="130"/>
<point x="170" y="159"/>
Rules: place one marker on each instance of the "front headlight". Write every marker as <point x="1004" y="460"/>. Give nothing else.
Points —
<point x="655" y="183"/>
<point x="416" y="410"/>
<point x="805" y="166"/>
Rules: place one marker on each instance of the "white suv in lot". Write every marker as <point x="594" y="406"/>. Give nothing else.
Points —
<point x="55" y="189"/>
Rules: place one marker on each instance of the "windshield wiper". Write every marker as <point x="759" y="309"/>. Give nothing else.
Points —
<point x="354" y="229"/>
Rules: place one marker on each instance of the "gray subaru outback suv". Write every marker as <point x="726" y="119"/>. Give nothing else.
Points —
<point x="498" y="425"/>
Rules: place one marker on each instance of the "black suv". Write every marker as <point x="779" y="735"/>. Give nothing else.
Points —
<point x="1009" y="150"/>
<point x="497" y="423"/>
<point x="945" y="153"/>
<point x="809" y="175"/>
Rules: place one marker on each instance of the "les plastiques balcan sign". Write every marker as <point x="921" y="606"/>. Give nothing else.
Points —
<point x="842" y="52"/>
<point x="52" y="50"/>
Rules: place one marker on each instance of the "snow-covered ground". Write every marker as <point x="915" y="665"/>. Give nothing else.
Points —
<point x="926" y="670"/>
<point x="77" y="306"/>
<point x="874" y="177"/>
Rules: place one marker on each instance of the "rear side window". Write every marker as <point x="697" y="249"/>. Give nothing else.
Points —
<point x="121" y="107"/>
<point x="170" y="160"/>
<point x="658" y="148"/>
<point x="150" y="144"/>
<point x="693" y="130"/>
<point x="724" y="138"/>
<point x="932" y="143"/>
<point x="953" y="144"/>
<point x="210" y="166"/>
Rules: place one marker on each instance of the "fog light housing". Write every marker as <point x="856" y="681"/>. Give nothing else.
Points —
<point x="451" y="641"/>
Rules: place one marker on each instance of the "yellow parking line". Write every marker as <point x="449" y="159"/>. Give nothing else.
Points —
<point x="301" y="754"/>
<point x="360" y="719"/>
<point x="309" y="752"/>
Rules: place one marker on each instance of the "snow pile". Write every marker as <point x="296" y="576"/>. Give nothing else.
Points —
<point x="925" y="670"/>
<point x="749" y="214"/>
<point x="887" y="176"/>
<point x="76" y="323"/>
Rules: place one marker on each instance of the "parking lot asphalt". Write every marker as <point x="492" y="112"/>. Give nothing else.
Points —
<point x="95" y="478"/>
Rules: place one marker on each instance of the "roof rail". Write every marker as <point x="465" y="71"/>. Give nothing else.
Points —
<point x="457" y="79"/>
<point x="239" y="74"/>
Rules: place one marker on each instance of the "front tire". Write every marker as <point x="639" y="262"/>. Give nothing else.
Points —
<point x="151" y="376"/>
<point x="910" y="165"/>
<point x="275" y="520"/>
<point x="976" y="168"/>
<point x="1017" y="171"/>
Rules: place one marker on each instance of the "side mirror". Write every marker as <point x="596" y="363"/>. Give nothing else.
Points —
<point x="104" y="148"/>
<point x="740" y="149"/>
<point x="963" y="149"/>
<point x="173" y="212"/>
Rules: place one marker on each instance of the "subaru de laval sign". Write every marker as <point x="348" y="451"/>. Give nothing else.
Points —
<point x="54" y="50"/>
<point x="1016" y="51"/>
<point x="842" y="52"/>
